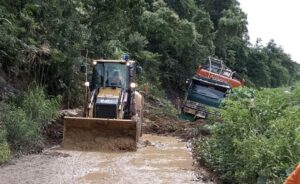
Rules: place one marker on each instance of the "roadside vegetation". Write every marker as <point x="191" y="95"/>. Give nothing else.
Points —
<point x="257" y="140"/>
<point x="41" y="41"/>
<point x="22" y="121"/>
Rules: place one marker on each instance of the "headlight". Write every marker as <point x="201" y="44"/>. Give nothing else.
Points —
<point x="94" y="62"/>
<point x="87" y="84"/>
<point x="133" y="85"/>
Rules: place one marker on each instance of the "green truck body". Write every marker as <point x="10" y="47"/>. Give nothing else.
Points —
<point x="203" y="93"/>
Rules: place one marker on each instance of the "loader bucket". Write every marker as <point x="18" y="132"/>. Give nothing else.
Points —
<point x="97" y="134"/>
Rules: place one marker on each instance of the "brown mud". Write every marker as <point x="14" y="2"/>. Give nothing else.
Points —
<point x="159" y="159"/>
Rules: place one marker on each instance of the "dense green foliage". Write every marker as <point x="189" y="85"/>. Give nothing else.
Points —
<point x="22" y="122"/>
<point x="41" y="40"/>
<point x="257" y="140"/>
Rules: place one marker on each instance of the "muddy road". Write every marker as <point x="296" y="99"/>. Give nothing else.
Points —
<point x="159" y="159"/>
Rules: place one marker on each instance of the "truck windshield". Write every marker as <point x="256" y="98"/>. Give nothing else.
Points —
<point x="110" y="74"/>
<point x="208" y="89"/>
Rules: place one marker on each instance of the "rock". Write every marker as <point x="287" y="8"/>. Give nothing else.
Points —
<point x="147" y="143"/>
<point x="71" y="112"/>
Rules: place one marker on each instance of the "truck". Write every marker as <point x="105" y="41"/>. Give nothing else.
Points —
<point x="203" y="93"/>
<point x="207" y="89"/>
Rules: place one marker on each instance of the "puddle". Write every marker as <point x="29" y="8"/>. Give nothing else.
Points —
<point x="162" y="160"/>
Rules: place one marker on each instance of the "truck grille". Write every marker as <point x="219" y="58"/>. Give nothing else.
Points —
<point x="195" y="105"/>
<point x="106" y="111"/>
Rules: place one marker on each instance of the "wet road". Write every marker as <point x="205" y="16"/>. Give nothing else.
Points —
<point x="158" y="160"/>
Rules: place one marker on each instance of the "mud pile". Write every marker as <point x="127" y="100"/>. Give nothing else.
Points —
<point x="168" y="125"/>
<point x="53" y="132"/>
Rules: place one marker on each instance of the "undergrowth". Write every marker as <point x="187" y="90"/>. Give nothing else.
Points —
<point x="258" y="138"/>
<point x="22" y="121"/>
<point x="4" y="148"/>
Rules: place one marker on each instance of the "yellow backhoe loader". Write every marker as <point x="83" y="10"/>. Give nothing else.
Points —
<point x="113" y="110"/>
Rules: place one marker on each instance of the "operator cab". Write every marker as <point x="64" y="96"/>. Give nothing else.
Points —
<point x="217" y="66"/>
<point x="110" y="74"/>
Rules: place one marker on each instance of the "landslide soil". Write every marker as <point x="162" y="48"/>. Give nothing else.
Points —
<point x="163" y="156"/>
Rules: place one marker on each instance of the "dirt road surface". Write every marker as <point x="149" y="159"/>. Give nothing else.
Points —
<point x="159" y="159"/>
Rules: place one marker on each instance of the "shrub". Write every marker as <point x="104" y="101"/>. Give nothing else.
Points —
<point x="22" y="132"/>
<point x="258" y="140"/>
<point x="38" y="107"/>
<point x="24" y="119"/>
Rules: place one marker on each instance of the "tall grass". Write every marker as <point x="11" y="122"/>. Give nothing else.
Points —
<point x="23" y="121"/>
<point x="4" y="148"/>
<point x="22" y="132"/>
<point x="38" y="107"/>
